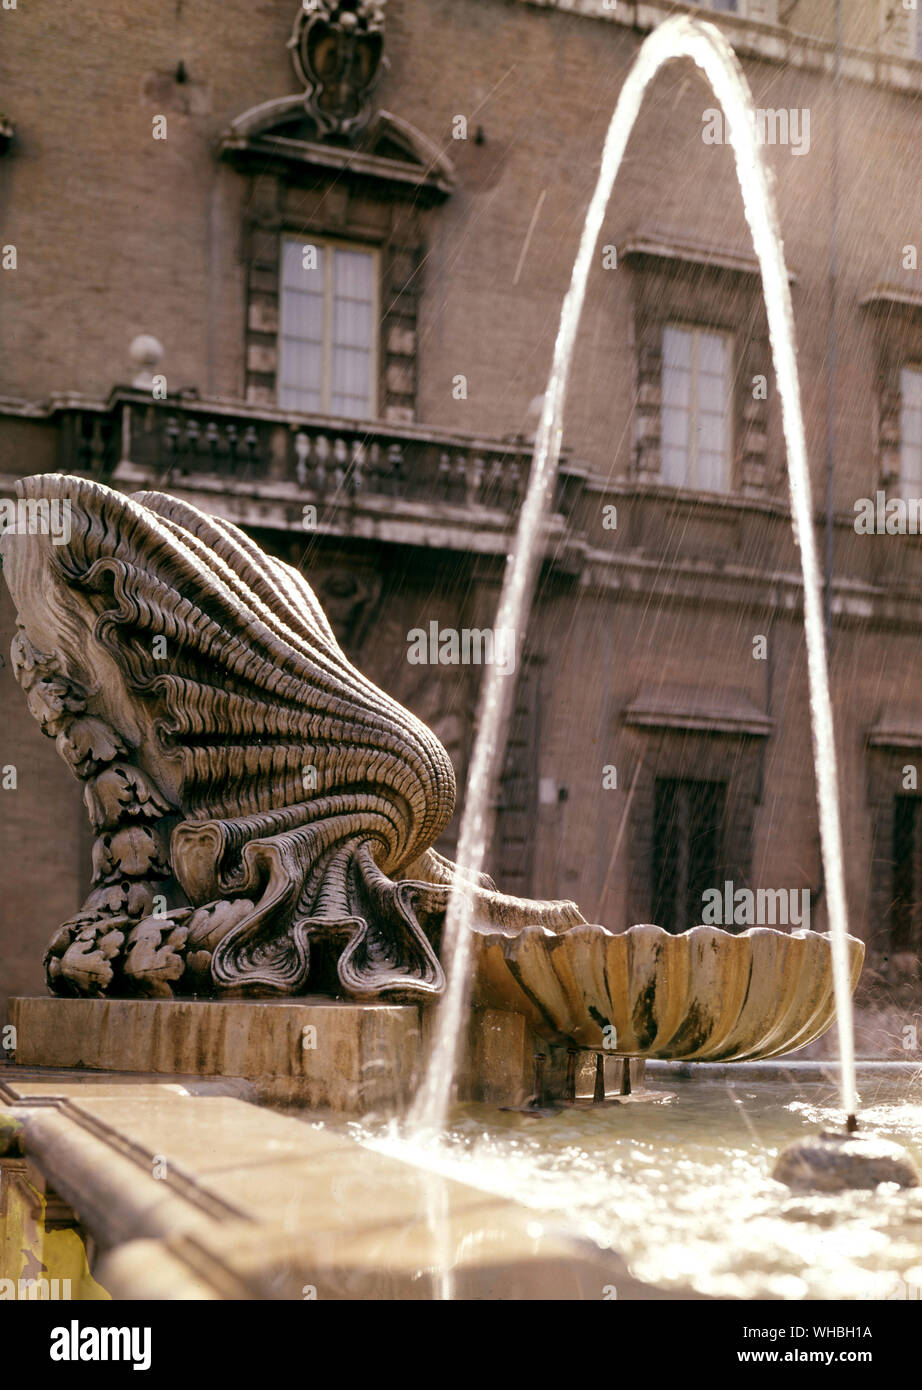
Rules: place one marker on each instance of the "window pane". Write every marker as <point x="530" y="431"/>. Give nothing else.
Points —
<point x="711" y="394"/>
<point x="711" y="433"/>
<point x="676" y="388"/>
<point x="910" y="471"/>
<point x="351" y="372"/>
<point x="352" y="274"/>
<point x="911" y="388"/>
<point x="911" y="427"/>
<point x="710" y="472"/>
<point x="674" y="428"/>
<point x="352" y="323"/>
<point x="711" y="353"/>
<point x="695" y="403"/>
<point x="308" y="402"/>
<point x="294" y="274"/>
<point x="676" y="347"/>
<point x="301" y="365"/>
<point x="674" y="467"/>
<point x="302" y="315"/>
<point x="350" y="407"/>
<point x="911" y="476"/>
<point x="328" y="328"/>
<point x="910" y="432"/>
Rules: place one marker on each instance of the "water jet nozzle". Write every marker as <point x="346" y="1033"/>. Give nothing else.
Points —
<point x="835" y="1162"/>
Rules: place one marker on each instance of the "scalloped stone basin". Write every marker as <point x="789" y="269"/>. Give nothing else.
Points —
<point x="706" y="995"/>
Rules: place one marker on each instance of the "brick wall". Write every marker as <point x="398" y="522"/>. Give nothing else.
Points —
<point x="118" y="233"/>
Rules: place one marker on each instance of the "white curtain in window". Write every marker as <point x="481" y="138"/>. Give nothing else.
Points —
<point x="694" y="427"/>
<point x="327" y="331"/>
<point x="911" y="432"/>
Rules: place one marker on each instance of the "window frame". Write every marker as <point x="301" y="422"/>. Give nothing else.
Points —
<point x="333" y="243"/>
<point x="765" y="11"/>
<point x="904" y="920"/>
<point x="676" y="836"/>
<point x="682" y="754"/>
<point x="729" y="336"/>
<point x="902" y="481"/>
<point x="900" y="31"/>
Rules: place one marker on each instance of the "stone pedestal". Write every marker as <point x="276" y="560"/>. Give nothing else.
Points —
<point x="316" y="1052"/>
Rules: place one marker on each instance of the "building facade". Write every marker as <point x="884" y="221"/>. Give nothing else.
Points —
<point x="349" y="228"/>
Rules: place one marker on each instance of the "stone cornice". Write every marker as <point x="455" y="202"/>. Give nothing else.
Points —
<point x="653" y="245"/>
<point x="752" y="38"/>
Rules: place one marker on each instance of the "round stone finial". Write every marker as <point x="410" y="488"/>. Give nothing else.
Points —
<point x="834" y="1162"/>
<point x="533" y="416"/>
<point x="145" y="351"/>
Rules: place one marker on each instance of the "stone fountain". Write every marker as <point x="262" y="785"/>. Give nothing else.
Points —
<point x="264" y="872"/>
<point x="264" y="820"/>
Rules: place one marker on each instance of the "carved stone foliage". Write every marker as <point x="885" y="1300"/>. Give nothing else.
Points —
<point x="337" y="47"/>
<point x="114" y="932"/>
<point x="264" y="815"/>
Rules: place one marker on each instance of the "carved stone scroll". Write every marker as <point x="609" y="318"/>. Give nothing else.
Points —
<point x="264" y="814"/>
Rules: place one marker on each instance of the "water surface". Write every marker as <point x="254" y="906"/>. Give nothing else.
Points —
<point x="684" y="1193"/>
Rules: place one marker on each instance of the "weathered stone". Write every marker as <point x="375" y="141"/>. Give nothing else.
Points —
<point x="705" y="994"/>
<point x="209" y="1197"/>
<point x="312" y="1052"/>
<point x="261" y="358"/>
<point x="265" y="815"/>
<point x="345" y="1057"/>
<point x="10" y="1136"/>
<point x="832" y="1162"/>
<point x="236" y="764"/>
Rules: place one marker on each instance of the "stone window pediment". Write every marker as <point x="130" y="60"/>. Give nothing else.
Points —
<point x="326" y="167"/>
<point x="711" y="711"/>
<point x="389" y="151"/>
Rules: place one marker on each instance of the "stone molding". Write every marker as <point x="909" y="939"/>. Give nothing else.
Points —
<point x="755" y="38"/>
<point x="203" y="1196"/>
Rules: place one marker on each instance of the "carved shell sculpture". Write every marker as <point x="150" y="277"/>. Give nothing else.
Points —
<point x="264" y="814"/>
<point x="705" y="995"/>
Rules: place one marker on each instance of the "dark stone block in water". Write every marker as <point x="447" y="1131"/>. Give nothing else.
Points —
<point x="832" y="1162"/>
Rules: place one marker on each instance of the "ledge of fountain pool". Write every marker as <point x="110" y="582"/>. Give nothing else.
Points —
<point x="815" y="1069"/>
<point x="204" y="1196"/>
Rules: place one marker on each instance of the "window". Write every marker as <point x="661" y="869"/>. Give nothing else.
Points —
<point x="328" y="328"/>
<point x="901" y="28"/>
<point x="766" y="10"/>
<point x="688" y="819"/>
<point x="906" y="902"/>
<point x="696" y="408"/>
<point x="910" y="483"/>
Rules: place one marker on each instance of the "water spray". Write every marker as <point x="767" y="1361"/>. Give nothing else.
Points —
<point x="676" y="38"/>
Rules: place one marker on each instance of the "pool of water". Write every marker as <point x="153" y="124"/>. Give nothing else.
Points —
<point x="684" y="1192"/>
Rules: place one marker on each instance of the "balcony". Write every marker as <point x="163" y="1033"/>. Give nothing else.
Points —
<point x="267" y="468"/>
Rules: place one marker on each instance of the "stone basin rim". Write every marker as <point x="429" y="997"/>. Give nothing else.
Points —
<point x="492" y="933"/>
<point x="706" y="994"/>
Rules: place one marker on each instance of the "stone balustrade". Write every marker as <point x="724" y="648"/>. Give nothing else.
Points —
<point x="183" y="437"/>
